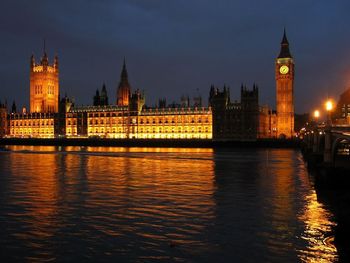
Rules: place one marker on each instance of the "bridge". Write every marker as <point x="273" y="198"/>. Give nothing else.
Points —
<point x="329" y="143"/>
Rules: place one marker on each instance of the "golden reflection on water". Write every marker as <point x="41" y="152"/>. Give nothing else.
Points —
<point x="157" y="194"/>
<point x="160" y="196"/>
<point x="285" y="175"/>
<point x="173" y="186"/>
<point x="36" y="190"/>
<point x="318" y="227"/>
<point x="284" y="190"/>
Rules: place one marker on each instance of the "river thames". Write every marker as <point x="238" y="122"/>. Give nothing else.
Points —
<point x="160" y="204"/>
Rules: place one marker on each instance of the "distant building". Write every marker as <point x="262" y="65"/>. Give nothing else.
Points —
<point x="342" y="111"/>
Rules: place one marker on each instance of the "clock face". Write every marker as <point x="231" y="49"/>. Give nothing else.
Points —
<point x="284" y="69"/>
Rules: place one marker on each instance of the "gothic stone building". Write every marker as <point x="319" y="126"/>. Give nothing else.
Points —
<point x="129" y="118"/>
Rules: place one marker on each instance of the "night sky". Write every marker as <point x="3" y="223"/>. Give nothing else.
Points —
<point x="177" y="47"/>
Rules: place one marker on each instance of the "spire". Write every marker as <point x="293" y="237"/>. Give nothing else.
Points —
<point x="55" y="63"/>
<point x="124" y="89"/>
<point x="284" y="53"/>
<point x="103" y="87"/>
<point x="284" y="39"/>
<point x="14" y="107"/>
<point x="32" y="61"/>
<point x="44" y="59"/>
<point x="124" y="74"/>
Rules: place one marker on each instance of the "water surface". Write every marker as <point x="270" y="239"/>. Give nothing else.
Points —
<point x="160" y="204"/>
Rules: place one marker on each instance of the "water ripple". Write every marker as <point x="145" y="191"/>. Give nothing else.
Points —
<point x="160" y="204"/>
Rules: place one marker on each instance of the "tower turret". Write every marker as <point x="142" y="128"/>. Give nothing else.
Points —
<point x="44" y="85"/>
<point x="97" y="98"/>
<point x="137" y="101"/>
<point x="14" y="107"/>
<point x="104" y="96"/>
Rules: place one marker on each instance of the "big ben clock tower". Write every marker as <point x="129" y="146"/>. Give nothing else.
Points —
<point x="284" y="71"/>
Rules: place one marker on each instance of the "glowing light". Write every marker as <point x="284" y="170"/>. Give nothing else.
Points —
<point x="329" y="105"/>
<point x="316" y="114"/>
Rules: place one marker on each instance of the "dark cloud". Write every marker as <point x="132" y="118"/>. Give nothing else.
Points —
<point x="177" y="47"/>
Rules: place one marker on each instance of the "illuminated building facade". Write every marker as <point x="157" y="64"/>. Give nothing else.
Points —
<point x="267" y="122"/>
<point x="135" y="122"/>
<point x="44" y="85"/>
<point x="284" y="73"/>
<point x="33" y="125"/>
<point x="130" y="118"/>
<point x="3" y="119"/>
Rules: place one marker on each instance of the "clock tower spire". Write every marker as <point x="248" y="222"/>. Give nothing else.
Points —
<point x="284" y="53"/>
<point x="284" y="73"/>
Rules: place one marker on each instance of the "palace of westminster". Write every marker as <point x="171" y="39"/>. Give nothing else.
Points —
<point x="50" y="116"/>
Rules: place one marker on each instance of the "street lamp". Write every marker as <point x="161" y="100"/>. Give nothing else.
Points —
<point x="329" y="108"/>
<point x="329" y="105"/>
<point x="316" y="114"/>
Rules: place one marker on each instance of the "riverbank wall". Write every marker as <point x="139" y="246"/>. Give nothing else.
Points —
<point x="184" y="143"/>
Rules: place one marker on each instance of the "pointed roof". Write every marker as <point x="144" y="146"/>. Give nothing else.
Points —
<point x="124" y="81"/>
<point x="44" y="59"/>
<point x="285" y="52"/>
<point x="104" y="90"/>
